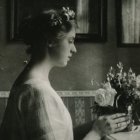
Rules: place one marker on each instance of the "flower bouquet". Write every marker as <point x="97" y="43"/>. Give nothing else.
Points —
<point x="119" y="94"/>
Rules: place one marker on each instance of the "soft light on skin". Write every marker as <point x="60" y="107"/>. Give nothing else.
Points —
<point x="63" y="49"/>
<point x="58" y="55"/>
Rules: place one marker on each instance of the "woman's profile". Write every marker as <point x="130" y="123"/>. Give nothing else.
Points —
<point x="34" y="110"/>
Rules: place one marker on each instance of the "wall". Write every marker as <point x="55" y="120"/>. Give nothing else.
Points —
<point x="91" y="61"/>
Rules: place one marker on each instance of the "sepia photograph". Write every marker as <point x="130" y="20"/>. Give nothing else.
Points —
<point x="69" y="70"/>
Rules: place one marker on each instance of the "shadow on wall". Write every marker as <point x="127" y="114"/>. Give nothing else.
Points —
<point x="12" y="59"/>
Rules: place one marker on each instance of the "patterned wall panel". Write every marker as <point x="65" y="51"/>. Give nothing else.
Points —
<point x="79" y="108"/>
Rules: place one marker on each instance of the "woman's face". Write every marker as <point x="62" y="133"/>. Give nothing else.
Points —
<point x="64" y="49"/>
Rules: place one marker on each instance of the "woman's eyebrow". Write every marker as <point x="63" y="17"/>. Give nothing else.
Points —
<point x="72" y="37"/>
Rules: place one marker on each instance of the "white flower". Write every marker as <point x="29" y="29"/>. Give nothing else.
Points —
<point x="105" y="96"/>
<point x="110" y="94"/>
<point x="107" y="85"/>
<point x="138" y="81"/>
<point x="137" y="92"/>
<point x="100" y="97"/>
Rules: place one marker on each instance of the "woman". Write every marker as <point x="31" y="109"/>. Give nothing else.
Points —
<point x="34" y="110"/>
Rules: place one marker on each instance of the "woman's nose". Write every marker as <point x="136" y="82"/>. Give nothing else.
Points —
<point x="74" y="49"/>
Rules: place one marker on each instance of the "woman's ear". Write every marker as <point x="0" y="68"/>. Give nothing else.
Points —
<point x="51" y="44"/>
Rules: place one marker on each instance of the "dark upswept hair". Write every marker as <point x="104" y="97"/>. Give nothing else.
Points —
<point x="37" y="31"/>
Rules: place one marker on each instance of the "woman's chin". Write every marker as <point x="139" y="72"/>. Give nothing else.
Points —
<point x="62" y="64"/>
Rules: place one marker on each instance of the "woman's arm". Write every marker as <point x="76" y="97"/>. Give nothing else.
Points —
<point x="104" y="125"/>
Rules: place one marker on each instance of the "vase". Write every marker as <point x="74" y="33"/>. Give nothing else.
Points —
<point x="121" y="104"/>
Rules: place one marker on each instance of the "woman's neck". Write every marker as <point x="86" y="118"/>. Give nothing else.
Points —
<point x="40" y="70"/>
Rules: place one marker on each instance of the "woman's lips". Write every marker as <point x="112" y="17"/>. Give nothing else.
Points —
<point x="69" y="57"/>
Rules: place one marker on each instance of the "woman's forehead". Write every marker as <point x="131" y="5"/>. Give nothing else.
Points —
<point x="63" y="35"/>
<point x="71" y="33"/>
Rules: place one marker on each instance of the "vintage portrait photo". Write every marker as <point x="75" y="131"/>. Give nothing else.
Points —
<point x="69" y="70"/>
